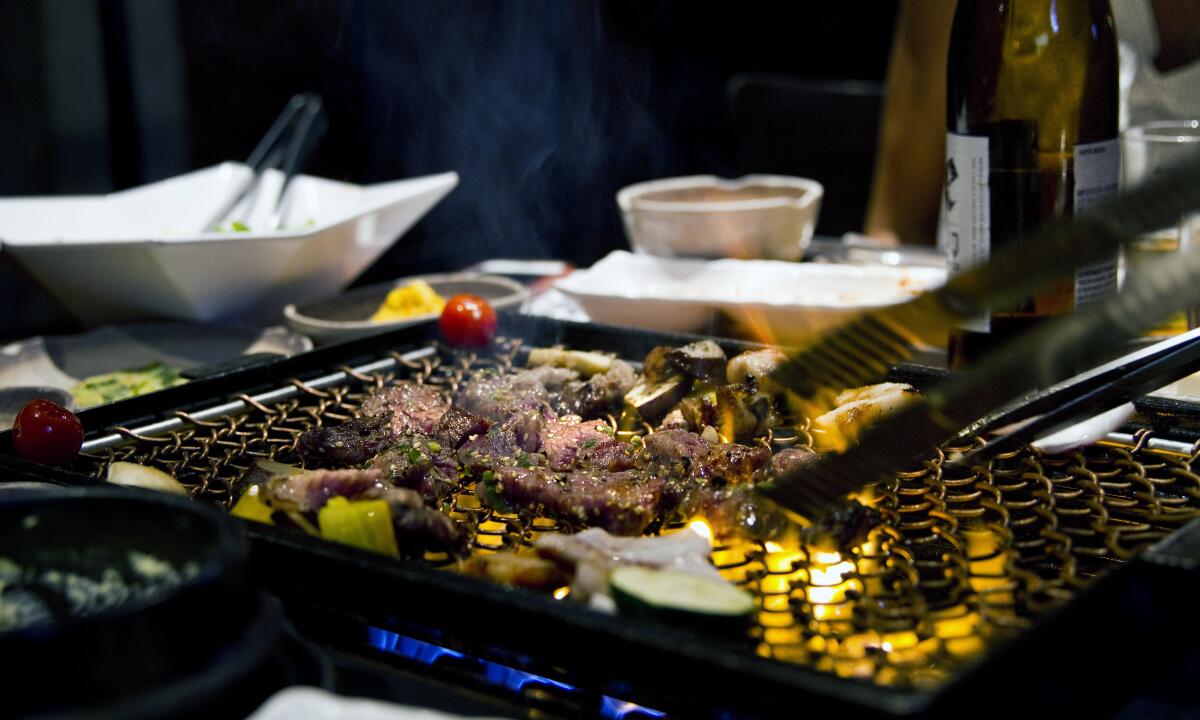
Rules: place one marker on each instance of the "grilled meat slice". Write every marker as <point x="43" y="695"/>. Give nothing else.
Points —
<point x="354" y="442"/>
<point x="456" y="426"/>
<point x="623" y="503"/>
<point x="308" y="490"/>
<point x="514" y="441"/>
<point x="420" y="463"/>
<point x="672" y="451"/>
<point x="789" y="459"/>
<point x="521" y="487"/>
<point x="733" y="463"/>
<point x="569" y="443"/>
<point x="422" y="528"/>
<point x="417" y="527"/>
<point x="739" y="511"/>
<point x="736" y="411"/>
<point x="684" y="454"/>
<point x="407" y="407"/>
<point x="496" y="397"/>
<point x="609" y="455"/>
<point x="844" y="527"/>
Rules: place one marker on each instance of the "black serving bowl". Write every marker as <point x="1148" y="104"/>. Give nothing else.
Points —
<point x="157" y="654"/>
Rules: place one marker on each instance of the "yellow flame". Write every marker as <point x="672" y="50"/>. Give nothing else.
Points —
<point x="772" y="547"/>
<point x="702" y="528"/>
<point x="562" y="592"/>
<point x="826" y="558"/>
<point x="831" y="575"/>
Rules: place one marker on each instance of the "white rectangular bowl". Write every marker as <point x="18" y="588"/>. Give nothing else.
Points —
<point x="139" y="254"/>
<point x="774" y="300"/>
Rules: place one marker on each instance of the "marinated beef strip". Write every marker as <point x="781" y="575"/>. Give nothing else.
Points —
<point x="844" y="527"/>
<point x="531" y="441"/>
<point x="789" y="459"/>
<point x="308" y="490"/>
<point x="515" y="440"/>
<point x="623" y="503"/>
<point x="497" y="397"/>
<point x="684" y="454"/>
<point x="738" y="511"/>
<point x="387" y="414"/>
<point x="456" y="426"/>
<point x="423" y="528"/>
<point x="352" y="443"/>
<point x="569" y="442"/>
<point x="420" y="463"/>
<point x="407" y="407"/>
<point x="417" y="527"/>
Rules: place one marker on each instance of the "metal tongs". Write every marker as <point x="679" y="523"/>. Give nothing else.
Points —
<point x="862" y="350"/>
<point x="288" y="144"/>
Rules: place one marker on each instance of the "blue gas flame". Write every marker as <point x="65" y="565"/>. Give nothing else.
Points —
<point x="495" y="673"/>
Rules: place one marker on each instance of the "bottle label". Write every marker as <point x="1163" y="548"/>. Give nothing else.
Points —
<point x="1097" y="168"/>
<point x="966" y="226"/>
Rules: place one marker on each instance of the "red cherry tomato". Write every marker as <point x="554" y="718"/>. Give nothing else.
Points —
<point x="468" y="321"/>
<point x="47" y="433"/>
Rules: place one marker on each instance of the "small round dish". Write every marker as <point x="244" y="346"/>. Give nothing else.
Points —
<point x="753" y="217"/>
<point x="347" y="316"/>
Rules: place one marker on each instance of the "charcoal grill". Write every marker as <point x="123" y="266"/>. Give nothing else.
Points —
<point x="1016" y="574"/>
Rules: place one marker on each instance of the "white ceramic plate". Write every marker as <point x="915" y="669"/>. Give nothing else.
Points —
<point x="62" y="361"/>
<point x="139" y="254"/>
<point x="347" y="316"/>
<point x="778" y="301"/>
<point x="307" y="703"/>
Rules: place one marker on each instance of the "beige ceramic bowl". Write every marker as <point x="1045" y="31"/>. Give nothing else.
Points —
<point x="754" y="217"/>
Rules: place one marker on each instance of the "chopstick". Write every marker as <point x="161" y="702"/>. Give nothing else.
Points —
<point x="1086" y="395"/>
<point x="290" y="140"/>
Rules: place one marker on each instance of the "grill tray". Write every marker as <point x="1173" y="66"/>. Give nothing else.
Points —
<point x="967" y="570"/>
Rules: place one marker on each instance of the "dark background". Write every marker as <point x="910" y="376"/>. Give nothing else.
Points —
<point x="545" y="108"/>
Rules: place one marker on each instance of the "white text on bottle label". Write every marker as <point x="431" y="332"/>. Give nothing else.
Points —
<point x="1097" y="168"/>
<point x="966" y="229"/>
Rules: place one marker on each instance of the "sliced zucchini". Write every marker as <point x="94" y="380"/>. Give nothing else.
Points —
<point x="673" y="595"/>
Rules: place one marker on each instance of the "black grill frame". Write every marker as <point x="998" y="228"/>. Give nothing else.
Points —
<point x="1056" y="665"/>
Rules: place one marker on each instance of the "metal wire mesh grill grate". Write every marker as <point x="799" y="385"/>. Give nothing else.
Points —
<point x="963" y="558"/>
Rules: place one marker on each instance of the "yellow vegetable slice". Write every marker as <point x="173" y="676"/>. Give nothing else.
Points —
<point x="251" y="507"/>
<point x="365" y="524"/>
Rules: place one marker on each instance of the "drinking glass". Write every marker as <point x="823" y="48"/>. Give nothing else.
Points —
<point x="1147" y="150"/>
